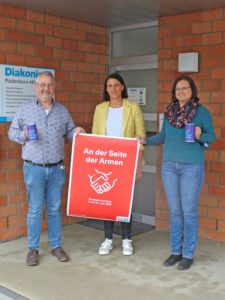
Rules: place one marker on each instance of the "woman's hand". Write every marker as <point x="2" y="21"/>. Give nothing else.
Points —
<point x="142" y="141"/>
<point x="198" y="132"/>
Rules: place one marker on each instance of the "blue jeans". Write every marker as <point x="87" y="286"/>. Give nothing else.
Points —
<point x="182" y="183"/>
<point x="42" y="184"/>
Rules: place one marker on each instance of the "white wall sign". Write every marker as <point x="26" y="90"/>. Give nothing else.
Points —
<point x="17" y="86"/>
<point x="161" y="118"/>
<point x="137" y="94"/>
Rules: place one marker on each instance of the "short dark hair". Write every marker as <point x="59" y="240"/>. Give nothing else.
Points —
<point x="121" y="80"/>
<point x="192" y="86"/>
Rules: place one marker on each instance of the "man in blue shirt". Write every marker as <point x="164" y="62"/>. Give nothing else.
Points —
<point x="44" y="173"/>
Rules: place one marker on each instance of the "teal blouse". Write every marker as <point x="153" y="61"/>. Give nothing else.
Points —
<point x="175" y="148"/>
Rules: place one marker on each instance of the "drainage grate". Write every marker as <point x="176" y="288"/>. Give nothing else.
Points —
<point x="6" y="294"/>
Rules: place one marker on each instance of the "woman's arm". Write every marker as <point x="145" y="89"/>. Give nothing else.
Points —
<point x="139" y="165"/>
<point x="159" y="138"/>
<point x="207" y="134"/>
<point x="95" y="122"/>
<point x="139" y="125"/>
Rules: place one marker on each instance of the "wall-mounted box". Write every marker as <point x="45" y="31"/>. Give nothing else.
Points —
<point x="188" y="62"/>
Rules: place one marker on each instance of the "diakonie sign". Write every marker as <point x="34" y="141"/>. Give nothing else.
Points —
<point x="17" y="86"/>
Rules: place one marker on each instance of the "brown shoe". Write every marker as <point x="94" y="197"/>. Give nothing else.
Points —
<point x="60" y="254"/>
<point x="32" y="257"/>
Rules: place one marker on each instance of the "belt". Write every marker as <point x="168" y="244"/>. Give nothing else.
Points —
<point x="47" y="165"/>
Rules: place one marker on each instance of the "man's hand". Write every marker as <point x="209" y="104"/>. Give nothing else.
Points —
<point x="79" y="130"/>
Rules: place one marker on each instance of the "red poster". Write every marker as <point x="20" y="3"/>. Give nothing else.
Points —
<point x="102" y="177"/>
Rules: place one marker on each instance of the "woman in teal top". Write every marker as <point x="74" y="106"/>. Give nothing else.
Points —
<point x="183" y="167"/>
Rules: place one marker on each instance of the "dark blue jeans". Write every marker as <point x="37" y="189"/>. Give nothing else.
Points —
<point x="125" y="227"/>
<point x="182" y="183"/>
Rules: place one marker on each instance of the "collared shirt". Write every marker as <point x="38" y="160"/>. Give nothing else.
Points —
<point x="52" y="128"/>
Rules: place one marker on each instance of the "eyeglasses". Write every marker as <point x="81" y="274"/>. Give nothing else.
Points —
<point x="46" y="85"/>
<point x="184" y="88"/>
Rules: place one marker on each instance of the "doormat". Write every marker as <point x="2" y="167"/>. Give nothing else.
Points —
<point x="137" y="228"/>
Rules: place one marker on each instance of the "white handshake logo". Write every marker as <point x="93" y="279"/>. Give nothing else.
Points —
<point x="101" y="183"/>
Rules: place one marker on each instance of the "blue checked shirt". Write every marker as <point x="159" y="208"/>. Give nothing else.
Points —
<point x="52" y="129"/>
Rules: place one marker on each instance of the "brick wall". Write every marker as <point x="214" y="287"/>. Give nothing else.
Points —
<point x="79" y="54"/>
<point x="202" y="32"/>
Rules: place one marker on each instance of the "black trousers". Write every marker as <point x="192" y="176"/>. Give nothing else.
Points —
<point x="125" y="227"/>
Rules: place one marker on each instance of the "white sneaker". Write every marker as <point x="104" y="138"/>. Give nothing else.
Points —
<point x="127" y="247"/>
<point x="105" y="247"/>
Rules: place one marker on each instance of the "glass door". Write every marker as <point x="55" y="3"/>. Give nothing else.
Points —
<point x="134" y="55"/>
<point x="144" y="197"/>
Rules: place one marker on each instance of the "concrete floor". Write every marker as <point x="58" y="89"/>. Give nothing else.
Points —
<point x="90" y="276"/>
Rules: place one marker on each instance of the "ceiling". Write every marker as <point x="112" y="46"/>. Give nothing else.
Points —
<point x="114" y="13"/>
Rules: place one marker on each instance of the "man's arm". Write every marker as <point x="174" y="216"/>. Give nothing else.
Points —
<point x="17" y="132"/>
<point x="72" y="129"/>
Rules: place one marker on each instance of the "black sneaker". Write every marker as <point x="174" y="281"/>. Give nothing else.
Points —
<point x="171" y="260"/>
<point x="185" y="263"/>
